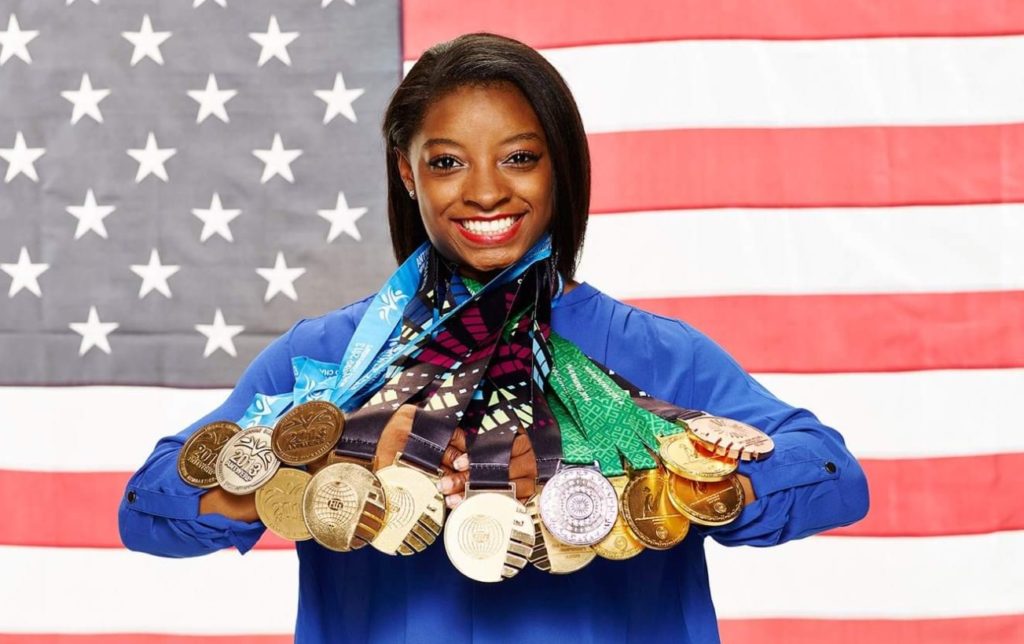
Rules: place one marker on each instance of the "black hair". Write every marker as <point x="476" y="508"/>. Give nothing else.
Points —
<point x="482" y="59"/>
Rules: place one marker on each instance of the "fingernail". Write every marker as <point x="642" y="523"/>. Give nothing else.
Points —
<point x="453" y="501"/>
<point x="444" y="485"/>
<point x="462" y="463"/>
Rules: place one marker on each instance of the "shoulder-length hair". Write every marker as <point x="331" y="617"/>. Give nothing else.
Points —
<point x="481" y="59"/>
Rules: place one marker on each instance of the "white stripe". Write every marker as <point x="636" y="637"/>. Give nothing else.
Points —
<point x="729" y="83"/>
<point x="881" y="415"/>
<point x="850" y="578"/>
<point x="93" y="428"/>
<point x="913" y="414"/>
<point x="72" y="590"/>
<point x="780" y="83"/>
<point x="44" y="589"/>
<point x="806" y="251"/>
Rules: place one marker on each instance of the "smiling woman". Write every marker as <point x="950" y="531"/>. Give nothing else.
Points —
<point x="561" y="428"/>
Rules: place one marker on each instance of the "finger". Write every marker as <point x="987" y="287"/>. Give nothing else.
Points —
<point x="453" y="501"/>
<point x="453" y="483"/>
<point x="521" y="445"/>
<point x="458" y="440"/>
<point x="524" y="466"/>
<point x="525" y="487"/>
<point x="451" y="454"/>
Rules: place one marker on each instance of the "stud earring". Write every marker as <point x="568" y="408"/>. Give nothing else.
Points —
<point x="412" y="194"/>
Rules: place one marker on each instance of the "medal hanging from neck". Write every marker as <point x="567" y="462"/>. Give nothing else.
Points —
<point x="345" y="504"/>
<point x="489" y="537"/>
<point x="415" y="506"/>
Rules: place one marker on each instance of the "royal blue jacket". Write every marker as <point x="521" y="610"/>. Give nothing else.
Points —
<point x="809" y="484"/>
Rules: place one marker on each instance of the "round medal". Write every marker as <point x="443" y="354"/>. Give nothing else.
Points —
<point x="681" y="457"/>
<point x="731" y="438"/>
<point x="550" y="554"/>
<point x="344" y="506"/>
<point x="307" y="432"/>
<point x="705" y="503"/>
<point x="279" y="504"/>
<point x="415" y="511"/>
<point x="649" y="512"/>
<point x="620" y="543"/>
<point x="197" y="461"/>
<point x="488" y="537"/>
<point x="246" y="461"/>
<point x="579" y="506"/>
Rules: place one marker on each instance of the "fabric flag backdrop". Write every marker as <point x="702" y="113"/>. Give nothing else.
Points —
<point x="833" y="191"/>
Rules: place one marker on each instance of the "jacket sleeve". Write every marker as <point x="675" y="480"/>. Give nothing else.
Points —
<point x="159" y="513"/>
<point x="810" y="483"/>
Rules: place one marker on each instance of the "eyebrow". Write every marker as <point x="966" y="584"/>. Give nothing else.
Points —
<point x="522" y="136"/>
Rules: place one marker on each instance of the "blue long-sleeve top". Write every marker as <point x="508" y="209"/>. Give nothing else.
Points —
<point x="809" y="484"/>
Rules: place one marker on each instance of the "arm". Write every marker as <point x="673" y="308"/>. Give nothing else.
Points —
<point x="810" y="483"/>
<point x="160" y="514"/>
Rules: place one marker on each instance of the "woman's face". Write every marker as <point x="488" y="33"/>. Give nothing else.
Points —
<point x="482" y="175"/>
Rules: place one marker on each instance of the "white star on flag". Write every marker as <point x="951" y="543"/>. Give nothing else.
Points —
<point x="215" y="219"/>
<point x="343" y="219"/>
<point x="90" y="216"/>
<point x="86" y="100"/>
<point x="94" y="333"/>
<point x="154" y="275"/>
<point x="212" y="100"/>
<point x="219" y="335"/>
<point x="24" y="274"/>
<point x="277" y="160"/>
<point x="21" y="159"/>
<point x="280" y="278"/>
<point x="339" y="99"/>
<point x="146" y="41"/>
<point x="14" y="41"/>
<point x="273" y="43"/>
<point x="222" y="3"/>
<point x="151" y="159"/>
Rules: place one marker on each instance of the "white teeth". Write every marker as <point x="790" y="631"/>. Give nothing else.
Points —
<point x="488" y="226"/>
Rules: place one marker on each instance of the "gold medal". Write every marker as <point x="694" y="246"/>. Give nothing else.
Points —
<point x="344" y="506"/>
<point x="730" y="438"/>
<point x="279" y="504"/>
<point x="307" y="432"/>
<point x="415" y="510"/>
<point x="706" y="503"/>
<point x="489" y="536"/>
<point x="620" y="543"/>
<point x="649" y="512"/>
<point x="197" y="461"/>
<point x="681" y="457"/>
<point x="550" y="554"/>
<point x="246" y="461"/>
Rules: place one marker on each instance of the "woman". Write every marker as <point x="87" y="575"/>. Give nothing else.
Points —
<point x="486" y="153"/>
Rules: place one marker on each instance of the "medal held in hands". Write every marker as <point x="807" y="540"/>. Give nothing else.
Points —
<point x="279" y="504"/>
<point x="197" y="460"/>
<point x="307" y="432"/>
<point x="246" y="461"/>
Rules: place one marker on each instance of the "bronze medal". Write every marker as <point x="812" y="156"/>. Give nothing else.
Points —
<point x="307" y="432"/>
<point x="620" y="543"/>
<point x="415" y="510"/>
<point x="550" y="554"/>
<point x="489" y="536"/>
<point x="246" y="461"/>
<point x="680" y="455"/>
<point x="649" y="512"/>
<point x="730" y="438"/>
<point x="197" y="461"/>
<point x="344" y="506"/>
<point x="279" y="504"/>
<point x="711" y="504"/>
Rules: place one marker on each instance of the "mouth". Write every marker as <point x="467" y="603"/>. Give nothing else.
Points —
<point x="490" y="230"/>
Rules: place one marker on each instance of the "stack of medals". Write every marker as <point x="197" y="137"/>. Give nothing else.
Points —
<point x="618" y="471"/>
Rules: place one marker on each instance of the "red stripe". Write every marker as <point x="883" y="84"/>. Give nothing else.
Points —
<point x="937" y="496"/>
<point x="855" y="166"/>
<point x="567" y="23"/>
<point x="999" y="629"/>
<point x="844" y="333"/>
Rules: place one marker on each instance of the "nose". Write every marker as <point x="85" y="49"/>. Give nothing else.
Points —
<point x="486" y="188"/>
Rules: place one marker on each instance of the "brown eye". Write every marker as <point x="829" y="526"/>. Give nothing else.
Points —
<point x="523" y="157"/>
<point x="444" y="163"/>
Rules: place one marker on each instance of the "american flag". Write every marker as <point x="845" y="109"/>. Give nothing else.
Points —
<point x="833" y="191"/>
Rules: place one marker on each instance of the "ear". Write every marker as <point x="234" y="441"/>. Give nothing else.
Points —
<point x="405" y="170"/>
